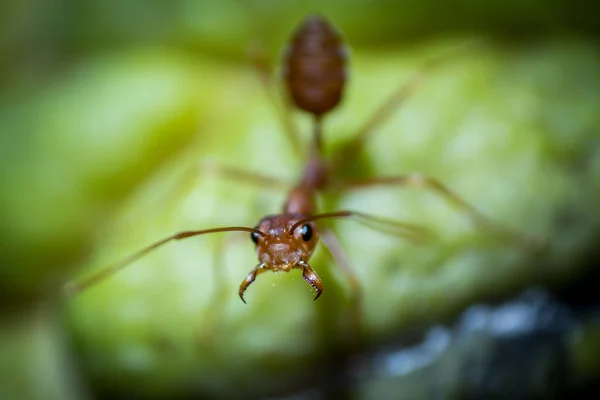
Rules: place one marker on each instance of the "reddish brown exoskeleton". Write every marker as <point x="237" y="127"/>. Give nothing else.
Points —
<point x="315" y="76"/>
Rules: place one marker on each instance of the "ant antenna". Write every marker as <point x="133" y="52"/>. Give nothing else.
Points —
<point x="74" y="288"/>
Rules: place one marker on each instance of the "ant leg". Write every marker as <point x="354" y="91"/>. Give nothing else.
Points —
<point x="480" y="220"/>
<point x="241" y="175"/>
<point x="334" y="247"/>
<point x="406" y="230"/>
<point x="280" y="103"/>
<point x="212" y="169"/>
<point x="188" y="179"/>
<point x="339" y="256"/>
<point x="213" y="318"/>
<point x="349" y="152"/>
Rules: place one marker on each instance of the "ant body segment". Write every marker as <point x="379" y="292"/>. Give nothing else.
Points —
<point x="314" y="75"/>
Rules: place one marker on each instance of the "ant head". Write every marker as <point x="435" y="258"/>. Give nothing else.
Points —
<point x="285" y="243"/>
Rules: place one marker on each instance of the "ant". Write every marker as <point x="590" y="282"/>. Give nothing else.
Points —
<point x="314" y="73"/>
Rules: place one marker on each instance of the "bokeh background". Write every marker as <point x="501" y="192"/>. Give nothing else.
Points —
<point x="111" y="113"/>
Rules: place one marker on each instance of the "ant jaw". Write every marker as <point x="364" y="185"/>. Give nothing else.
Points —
<point x="312" y="278"/>
<point x="260" y="268"/>
<point x="308" y="274"/>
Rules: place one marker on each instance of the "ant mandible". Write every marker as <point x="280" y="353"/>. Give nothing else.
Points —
<point x="315" y="75"/>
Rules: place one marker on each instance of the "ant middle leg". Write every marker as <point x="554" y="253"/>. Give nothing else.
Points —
<point x="210" y="169"/>
<point x="480" y="220"/>
<point x="243" y="176"/>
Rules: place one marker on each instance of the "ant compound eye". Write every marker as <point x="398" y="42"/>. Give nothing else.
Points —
<point x="306" y="232"/>
<point x="254" y="236"/>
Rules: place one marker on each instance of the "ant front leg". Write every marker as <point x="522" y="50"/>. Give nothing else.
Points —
<point x="480" y="220"/>
<point x="339" y="256"/>
<point x="215" y="317"/>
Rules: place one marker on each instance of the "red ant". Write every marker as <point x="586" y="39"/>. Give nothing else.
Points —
<point x="315" y="76"/>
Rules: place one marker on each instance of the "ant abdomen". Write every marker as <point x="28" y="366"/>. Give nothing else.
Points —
<point x="315" y="66"/>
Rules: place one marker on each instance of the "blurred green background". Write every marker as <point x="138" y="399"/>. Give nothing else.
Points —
<point x="110" y="110"/>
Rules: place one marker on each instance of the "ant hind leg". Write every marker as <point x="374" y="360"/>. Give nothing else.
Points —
<point x="391" y="105"/>
<point x="279" y="103"/>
